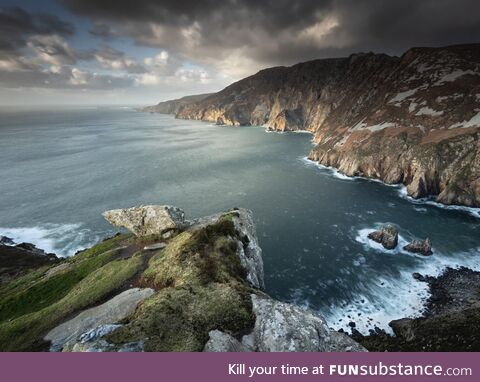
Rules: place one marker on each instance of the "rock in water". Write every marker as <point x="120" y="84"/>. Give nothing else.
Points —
<point x="422" y="247"/>
<point x="387" y="236"/>
<point x="147" y="220"/>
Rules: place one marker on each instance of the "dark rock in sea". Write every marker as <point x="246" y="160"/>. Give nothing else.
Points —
<point x="4" y="240"/>
<point x="419" y="277"/>
<point x="16" y="260"/>
<point x="31" y="248"/>
<point x="422" y="247"/>
<point x="387" y="236"/>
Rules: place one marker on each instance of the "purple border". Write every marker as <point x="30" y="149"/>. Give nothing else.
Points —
<point x="213" y="367"/>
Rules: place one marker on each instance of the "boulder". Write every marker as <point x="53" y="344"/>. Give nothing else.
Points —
<point x="220" y="342"/>
<point x="111" y="312"/>
<point x="422" y="247"/>
<point x="387" y="236"/>
<point x="284" y="327"/>
<point x="147" y="220"/>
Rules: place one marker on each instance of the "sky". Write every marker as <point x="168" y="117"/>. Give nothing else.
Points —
<point x="145" y="51"/>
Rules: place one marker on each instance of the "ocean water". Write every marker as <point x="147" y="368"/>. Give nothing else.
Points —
<point x="59" y="169"/>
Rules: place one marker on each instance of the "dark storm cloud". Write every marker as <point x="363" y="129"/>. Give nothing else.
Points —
<point x="283" y="32"/>
<point x="16" y="25"/>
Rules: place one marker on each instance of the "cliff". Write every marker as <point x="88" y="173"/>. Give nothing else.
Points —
<point x="170" y="285"/>
<point x="173" y="106"/>
<point x="413" y="119"/>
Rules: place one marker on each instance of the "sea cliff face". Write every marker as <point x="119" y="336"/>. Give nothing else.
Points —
<point x="413" y="119"/>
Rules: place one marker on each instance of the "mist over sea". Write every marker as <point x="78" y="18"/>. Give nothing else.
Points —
<point x="60" y="169"/>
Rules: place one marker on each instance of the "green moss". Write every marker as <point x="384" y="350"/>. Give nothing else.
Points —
<point x="179" y="319"/>
<point x="201" y="286"/>
<point x="106" y="245"/>
<point x="197" y="258"/>
<point x="25" y="332"/>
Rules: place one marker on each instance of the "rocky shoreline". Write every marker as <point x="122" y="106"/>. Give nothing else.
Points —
<point x="450" y="321"/>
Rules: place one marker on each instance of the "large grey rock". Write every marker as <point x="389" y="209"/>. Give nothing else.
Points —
<point x="284" y="327"/>
<point x="220" y="342"/>
<point x="112" y="311"/>
<point x="387" y="236"/>
<point x="147" y="220"/>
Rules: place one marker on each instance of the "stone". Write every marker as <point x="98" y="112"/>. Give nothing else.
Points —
<point x="223" y="342"/>
<point x="284" y="327"/>
<point x="154" y="247"/>
<point x="31" y="248"/>
<point x="387" y="236"/>
<point x="422" y="247"/>
<point x="110" y="312"/>
<point x="147" y="220"/>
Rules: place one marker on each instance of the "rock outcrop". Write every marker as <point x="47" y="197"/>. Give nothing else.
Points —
<point x="283" y="327"/>
<point x="147" y="220"/>
<point x="16" y="259"/>
<point x="413" y="119"/>
<point x="197" y="288"/>
<point x="450" y="322"/>
<point x="387" y="236"/>
<point x="422" y="247"/>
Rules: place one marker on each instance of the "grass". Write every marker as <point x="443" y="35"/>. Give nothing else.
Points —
<point x="25" y="332"/>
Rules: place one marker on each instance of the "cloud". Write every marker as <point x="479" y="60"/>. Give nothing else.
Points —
<point x="113" y="59"/>
<point x="17" y="24"/>
<point x="278" y="32"/>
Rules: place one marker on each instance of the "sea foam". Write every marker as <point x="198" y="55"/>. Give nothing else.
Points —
<point x="62" y="239"/>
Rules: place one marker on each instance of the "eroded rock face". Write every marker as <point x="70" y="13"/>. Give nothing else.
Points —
<point x="147" y="220"/>
<point x="422" y="247"/>
<point x="387" y="236"/>
<point x="283" y="327"/>
<point x="111" y="312"/>
<point x="248" y="249"/>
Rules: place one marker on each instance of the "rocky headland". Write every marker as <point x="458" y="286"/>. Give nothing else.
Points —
<point x="413" y="119"/>
<point x="169" y="285"/>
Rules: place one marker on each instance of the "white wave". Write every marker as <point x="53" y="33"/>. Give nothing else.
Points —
<point x="62" y="239"/>
<point x="402" y="190"/>
<point x="389" y="299"/>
